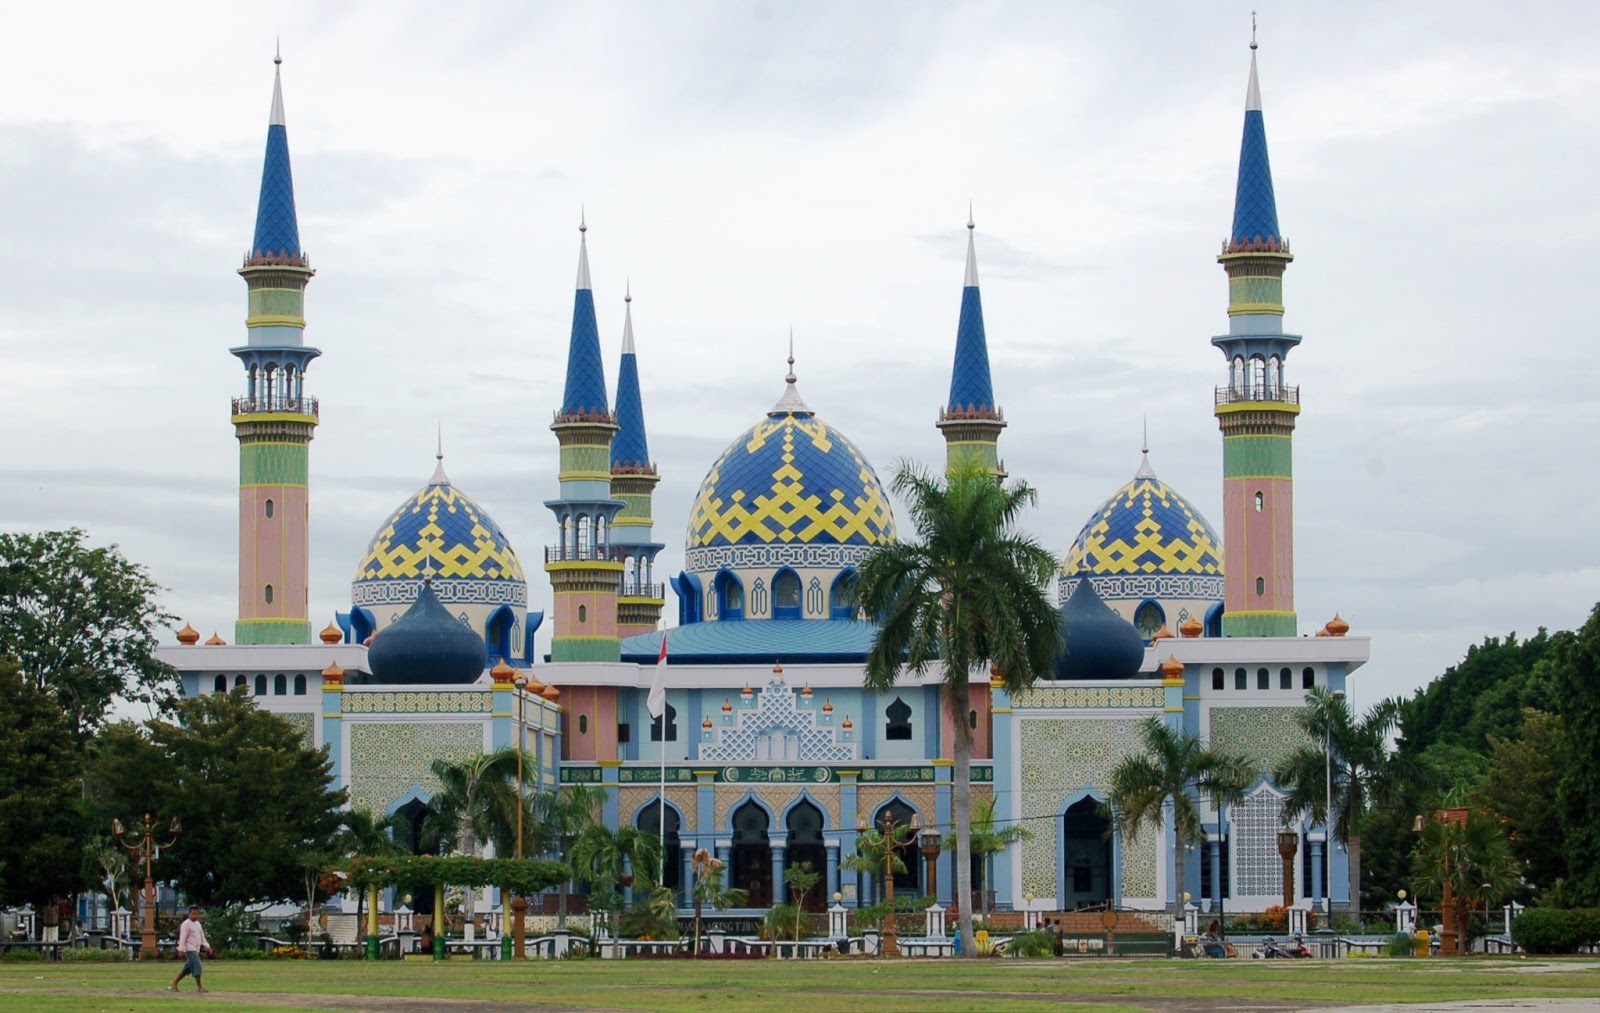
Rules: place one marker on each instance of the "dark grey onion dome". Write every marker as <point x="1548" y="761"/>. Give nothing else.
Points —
<point x="426" y="646"/>
<point x="1099" y="643"/>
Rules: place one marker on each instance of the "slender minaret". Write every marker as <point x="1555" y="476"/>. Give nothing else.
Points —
<point x="585" y="568"/>
<point x="275" y="420"/>
<point x="971" y="422"/>
<point x="1256" y="410"/>
<point x="633" y="481"/>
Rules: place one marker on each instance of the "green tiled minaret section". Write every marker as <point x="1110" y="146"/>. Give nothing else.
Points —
<point x="1257" y="457"/>
<point x="586" y="649"/>
<point x="284" y="306"/>
<point x="638" y="511"/>
<point x="1258" y="624"/>
<point x="586" y="459"/>
<point x="274" y="464"/>
<point x="272" y="631"/>
<point x="1255" y="293"/>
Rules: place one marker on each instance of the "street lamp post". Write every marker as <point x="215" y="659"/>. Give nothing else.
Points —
<point x="519" y="904"/>
<point x="1327" y="844"/>
<point x="1288" y="844"/>
<point x="890" y="946"/>
<point x="930" y="854"/>
<point x="142" y="847"/>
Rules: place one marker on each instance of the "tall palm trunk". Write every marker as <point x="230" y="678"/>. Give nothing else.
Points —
<point x="961" y="811"/>
<point x="1353" y="847"/>
<point x="469" y="907"/>
<point x="1179" y="869"/>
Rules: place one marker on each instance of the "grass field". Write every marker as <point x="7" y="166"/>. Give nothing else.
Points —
<point x="1108" y="986"/>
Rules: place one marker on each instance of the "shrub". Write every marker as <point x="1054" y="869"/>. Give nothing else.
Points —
<point x="1402" y="944"/>
<point x="1556" y="930"/>
<point x="1038" y="943"/>
<point x="21" y="956"/>
<point x="242" y="954"/>
<point x="88" y="955"/>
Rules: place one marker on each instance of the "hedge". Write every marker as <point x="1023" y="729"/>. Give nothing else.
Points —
<point x="1556" y="930"/>
<point x="419" y="872"/>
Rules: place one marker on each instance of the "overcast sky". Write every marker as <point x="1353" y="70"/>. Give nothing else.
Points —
<point x="757" y="166"/>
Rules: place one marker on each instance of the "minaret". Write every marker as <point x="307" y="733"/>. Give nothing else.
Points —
<point x="633" y="481"/>
<point x="585" y="568"/>
<point x="275" y="420"/>
<point x="1256" y="410"/>
<point x="971" y="422"/>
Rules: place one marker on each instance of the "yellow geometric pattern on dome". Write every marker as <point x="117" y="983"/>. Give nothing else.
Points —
<point x="1146" y="527"/>
<point x="791" y="479"/>
<point x="443" y="527"/>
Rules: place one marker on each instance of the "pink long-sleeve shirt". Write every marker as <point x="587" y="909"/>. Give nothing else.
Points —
<point x="191" y="937"/>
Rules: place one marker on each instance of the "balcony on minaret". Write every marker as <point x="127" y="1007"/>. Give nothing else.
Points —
<point x="971" y="413"/>
<point x="567" y="553"/>
<point x="627" y="587"/>
<point x="275" y="403"/>
<point x="595" y="416"/>
<point x="1262" y="393"/>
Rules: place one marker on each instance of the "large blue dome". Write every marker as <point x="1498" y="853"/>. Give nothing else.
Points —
<point x="1098" y="643"/>
<point x="426" y="646"/>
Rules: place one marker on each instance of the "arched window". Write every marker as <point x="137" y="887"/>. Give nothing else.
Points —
<point x="583" y="613"/>
<point x="972" y="719"/>
<point x="583" y="724"/>
<point x="671" y="716"/>
<point x="1261" y="501"/>
<point x="220" y="684"/>
<point x="300" y="685"/>
<point x="899" y="715"/>
<point x="1261" y="586"/>
<point x="280" y="685"/>
<point x="268" y="594"/>
<point x="497" y="633"/>
<point x="261" y="684"/>
<point x="1308" y="678"/>
<point x="730" y="596"/>
<point x="1241" y="679"/>
<point x="1218" y="678"/>
<point x="1148" y="618"/>
<point x="1286" y="679"/>
<point x="786" y="595"/>
<point x="269" y="509"/>
<point x="1263" y="679"/>
<point x="649" y="822"/>
<point x="842" y="596"/>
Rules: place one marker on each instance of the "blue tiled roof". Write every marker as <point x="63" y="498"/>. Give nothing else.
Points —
<point x="1255" y="210"/>
<point x="757" y="641"/>
<point x="969" y="380"/>
<point x="277" y="231"/>
<point x="630" y="445"/>
<point x="586" y="374"/>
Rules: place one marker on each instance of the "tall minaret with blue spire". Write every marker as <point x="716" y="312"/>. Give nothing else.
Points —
<point x="275" y="420"/>
<point x="585" y="568"/>
<point x="633" y="481"/>
<point x="1256" y="410"/>
<point x="971" y="422"/>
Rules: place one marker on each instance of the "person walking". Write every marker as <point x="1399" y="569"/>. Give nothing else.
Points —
<point x="191" y="941"/>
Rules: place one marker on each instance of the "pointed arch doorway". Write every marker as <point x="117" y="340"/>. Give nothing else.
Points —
<point x="1086" y="855"/>
<point x="752" y="855"/>
<point x="806" y="845"/>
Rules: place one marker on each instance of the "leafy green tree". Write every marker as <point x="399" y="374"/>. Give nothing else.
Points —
<point x="1473" y="857"/>
<point x="45" y="829"/>
<point x="1364" y="771"/>
<point x="1578" y="682"/>
<point x="1485" y="693"/>
<point x="81" y="622"/>
<point x="707" y="887"/>
<point x="800" y="878"/>
<point x="562" y="816"/>
<point x="1163" y="782"/>
<point x="605" y="857"/>
<point x="476" y="801"/>
<point x="990" y="837"/>
<point x="256" y="803"/>
<point x="363" y="835"/>
<point x="1522" y="789"/>
<point x="969" y="592"/>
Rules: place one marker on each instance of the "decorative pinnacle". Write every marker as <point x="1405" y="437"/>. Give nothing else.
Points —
<point x="970" y="224"/>
<point x="790" y="403"/>
<point x="583" y="249"/>
<point x="277" y="50"/>
<point x="627" y="320"/>
<point x="1145" y="471"/>
<point x="1252" y="29"/>
<point x="791" y="377"/>
<point x="971" y="280"/>
<point x="275" y="118"/>
<point x="439" y="477"/>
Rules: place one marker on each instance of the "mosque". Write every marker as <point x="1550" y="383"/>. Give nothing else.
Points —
<point x="771" y="750"/>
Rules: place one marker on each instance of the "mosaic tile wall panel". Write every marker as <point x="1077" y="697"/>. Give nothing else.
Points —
<point x="630" y="799"/>
<point x="386" y="702"/>
<point x="1259" y="867"/>
<point x="305" y="724"/>
<point x="1059" y="759"/>
<point x="1266" y="735"/>
<point x="870" y="800"/>
<point x="778" y="728"/>
<point x="386" y="759"/>
<point x="1088" y="696"/>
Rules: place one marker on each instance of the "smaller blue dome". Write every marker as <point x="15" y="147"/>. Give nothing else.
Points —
<point x="426" y="646"/>
<point x="1098" y="643"/>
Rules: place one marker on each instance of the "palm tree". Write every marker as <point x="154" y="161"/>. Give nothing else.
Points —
<point x="563" y="816"/>
<point x="362" y="835"/>
<point x="1471" y="859"/>
<point x="603" y="856"/>
<point x="476" y="800"/>
<point x="1364" y="772"/>
<point x="708" y="888"/>
<point x="969" y="593"/>
<point x="989" y="838"/>
<point x="1163" y="782"/>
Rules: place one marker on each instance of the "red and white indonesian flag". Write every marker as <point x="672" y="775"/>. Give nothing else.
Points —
<point x="657" y="702"/>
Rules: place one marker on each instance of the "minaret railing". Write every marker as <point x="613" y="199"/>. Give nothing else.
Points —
<point x="281" y="403"/>
<point x="1266" y="395"/>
